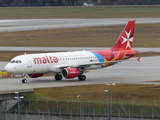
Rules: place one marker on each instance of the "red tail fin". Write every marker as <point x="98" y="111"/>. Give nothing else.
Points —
<point x="125" y="39"/>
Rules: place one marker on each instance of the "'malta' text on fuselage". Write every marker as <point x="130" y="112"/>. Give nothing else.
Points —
<point x="45" y="59"/>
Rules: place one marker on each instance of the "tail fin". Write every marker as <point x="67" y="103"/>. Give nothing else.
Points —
<point x="125" y="39"/>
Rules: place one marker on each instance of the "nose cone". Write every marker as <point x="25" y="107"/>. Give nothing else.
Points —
<point x="9" y="68"/>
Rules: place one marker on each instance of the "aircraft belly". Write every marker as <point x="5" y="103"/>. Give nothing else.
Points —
<point x="22" y="70"/>
<point x="30" y="70"/>
<point x="39" y="69"/>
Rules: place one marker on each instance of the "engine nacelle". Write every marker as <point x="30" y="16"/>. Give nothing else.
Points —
<point x="71" y="72"/>
<point x="35" y="75"/>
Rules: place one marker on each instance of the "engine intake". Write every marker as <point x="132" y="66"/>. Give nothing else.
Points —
<point x="71" y="72"/>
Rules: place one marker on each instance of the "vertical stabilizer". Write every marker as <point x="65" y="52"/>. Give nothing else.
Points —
<point x="125" y="39"/>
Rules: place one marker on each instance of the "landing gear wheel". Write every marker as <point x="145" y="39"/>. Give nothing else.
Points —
<point x="81" y="77"/>
<point x="58" y="77"/>
<point x="24" y="80"/>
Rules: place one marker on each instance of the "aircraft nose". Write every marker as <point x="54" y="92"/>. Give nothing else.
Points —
<point x="8" y="68"/>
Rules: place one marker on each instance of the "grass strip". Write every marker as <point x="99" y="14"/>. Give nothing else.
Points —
<point x="126" y="97"/>
<point x="126" y="92"/>
<point x="111" y="11"/>
<point x="146" y="35"/>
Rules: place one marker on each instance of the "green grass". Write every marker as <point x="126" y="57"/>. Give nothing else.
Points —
<point x="129" y="96"/>
<point x="126" y="92"/>
<point x="146" y="35"/>
<point x="113" y="11"/>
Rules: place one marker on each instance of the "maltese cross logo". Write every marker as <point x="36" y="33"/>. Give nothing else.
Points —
<point x="127" y="39"/>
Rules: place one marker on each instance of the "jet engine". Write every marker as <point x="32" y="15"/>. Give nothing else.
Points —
<point x="71" y="72"/>
<point x="35" y="75"/>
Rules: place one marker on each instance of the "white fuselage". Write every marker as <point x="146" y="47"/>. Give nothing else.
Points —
<point x="50" y="62"/>
<point x="73" y="64"/>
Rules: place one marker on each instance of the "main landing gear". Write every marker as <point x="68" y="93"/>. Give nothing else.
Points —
<point x="58" y="77"/>
<point x="81" y="77"/>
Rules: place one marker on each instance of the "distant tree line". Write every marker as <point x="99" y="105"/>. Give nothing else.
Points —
<point x="6" y="3"/>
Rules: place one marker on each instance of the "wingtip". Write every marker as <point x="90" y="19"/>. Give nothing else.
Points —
<point x="139" y="59"/>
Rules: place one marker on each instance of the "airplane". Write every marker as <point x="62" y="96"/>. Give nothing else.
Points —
<point x="73" y="64"/>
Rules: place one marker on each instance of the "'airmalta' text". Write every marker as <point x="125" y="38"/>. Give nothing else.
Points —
<point x="45" y="59"/>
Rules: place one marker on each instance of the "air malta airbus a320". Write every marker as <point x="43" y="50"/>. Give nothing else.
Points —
<point x="73" y="64"/>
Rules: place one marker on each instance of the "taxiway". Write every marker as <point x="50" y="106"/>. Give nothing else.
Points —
<point x="131" y="72"/>
<point x="41" y="24"/>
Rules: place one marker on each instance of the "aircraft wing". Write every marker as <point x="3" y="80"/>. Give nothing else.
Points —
<point x="91" y="63"/>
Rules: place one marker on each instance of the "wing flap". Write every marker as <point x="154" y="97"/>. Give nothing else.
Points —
<point x="89" y="64"/>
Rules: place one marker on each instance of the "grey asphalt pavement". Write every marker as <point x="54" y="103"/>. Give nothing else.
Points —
<point x="131" y="72"/>
<point x="39" y="24"/>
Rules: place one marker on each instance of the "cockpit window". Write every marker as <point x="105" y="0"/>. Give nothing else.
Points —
<point x="12" y="61"/>
<point x="15" y="61"/>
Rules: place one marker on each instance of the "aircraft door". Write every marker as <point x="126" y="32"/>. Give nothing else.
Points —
<point x="29" y="62"/>
<point x="30" y="66"/>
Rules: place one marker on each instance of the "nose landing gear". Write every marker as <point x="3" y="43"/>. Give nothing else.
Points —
<point x="24" y="80"/>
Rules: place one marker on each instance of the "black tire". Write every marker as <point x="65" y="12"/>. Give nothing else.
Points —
<point x="24" y="80"/>
<point x="82" y="77"/>
<point x="58" y="77"/>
